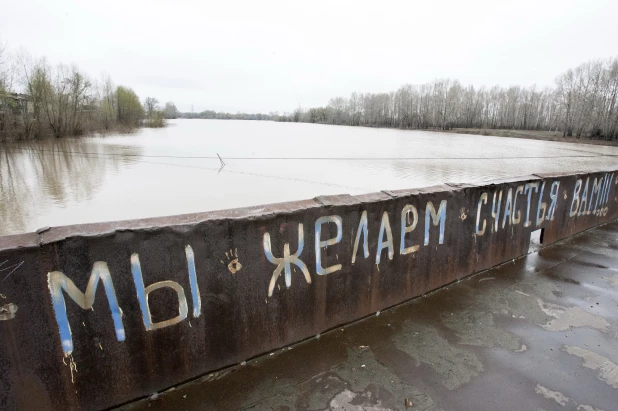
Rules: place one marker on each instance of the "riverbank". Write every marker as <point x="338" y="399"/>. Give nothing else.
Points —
<point x="529" y="134"/>
<point x="116" y="129"/>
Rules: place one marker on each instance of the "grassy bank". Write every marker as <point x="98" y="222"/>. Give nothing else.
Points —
<point x="529" y="134"/>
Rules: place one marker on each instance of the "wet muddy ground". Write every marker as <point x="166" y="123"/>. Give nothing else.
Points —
<point x="537" y="333"/>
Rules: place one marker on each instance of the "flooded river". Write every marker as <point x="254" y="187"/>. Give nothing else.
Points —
<point x="175" y="170"/>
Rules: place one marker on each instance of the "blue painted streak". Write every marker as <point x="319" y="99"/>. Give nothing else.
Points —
<point x="195" y="290"/>
<point x="136" y="269"/>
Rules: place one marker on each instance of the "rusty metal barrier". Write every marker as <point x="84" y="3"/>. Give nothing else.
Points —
<point x="96" y="315"/>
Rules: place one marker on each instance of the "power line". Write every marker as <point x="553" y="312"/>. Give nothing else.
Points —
<point x="317" y="158"/>
<point x="137" y="160"/>
<point x="98" y="155"/>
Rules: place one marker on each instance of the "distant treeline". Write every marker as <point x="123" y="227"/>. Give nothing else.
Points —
<point x="39" y="100"/>
<point x="210" y="114"/>
<point x="583" y="103"/>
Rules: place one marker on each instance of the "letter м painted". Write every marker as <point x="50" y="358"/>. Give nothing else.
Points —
<point x="57" y="282"/>
<point x="438" y="217"/>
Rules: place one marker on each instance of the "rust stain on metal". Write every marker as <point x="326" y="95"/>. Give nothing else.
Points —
<point x="166" y="299"/>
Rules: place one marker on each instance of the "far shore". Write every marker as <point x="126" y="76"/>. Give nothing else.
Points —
<point x="529" y="134"/>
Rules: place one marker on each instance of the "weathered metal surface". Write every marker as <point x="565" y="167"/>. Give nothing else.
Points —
<point x="160" y="301"/>
<point x="537" y="333"/>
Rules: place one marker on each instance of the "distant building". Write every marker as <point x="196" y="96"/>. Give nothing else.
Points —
<point x="19" y="104"/>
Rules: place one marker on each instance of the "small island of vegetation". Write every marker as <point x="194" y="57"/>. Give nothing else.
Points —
<point x="38" y="100"/>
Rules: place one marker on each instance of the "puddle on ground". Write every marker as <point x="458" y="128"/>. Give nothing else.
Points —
<point x="608" y="371"/>
<point x="426" y="345"/>
<point x="347" y="400"/>
<point x="477" y="328"/>
<point x="565" y="318"/>
<point x="561" y="399"/>
<point x="359" y="383"/>
<point x="613" y="281"/>
<point x="552" y="395"/>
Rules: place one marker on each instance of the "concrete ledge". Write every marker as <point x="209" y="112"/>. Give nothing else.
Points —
<point x="99" y="314"/>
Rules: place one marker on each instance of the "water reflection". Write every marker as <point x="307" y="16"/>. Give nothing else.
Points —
<point x="176" y="170"/>
<point x="41" y="175"/>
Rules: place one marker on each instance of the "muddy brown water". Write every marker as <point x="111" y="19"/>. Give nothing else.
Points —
<point x="175" y="170"/>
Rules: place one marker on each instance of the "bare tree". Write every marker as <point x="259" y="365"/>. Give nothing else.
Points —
<point x="170" y="110"/>
<point x="108" y="106"/>
<point x="63" y="101"/>
<point x="151" y="105"/>
<point x="583" y="103"/>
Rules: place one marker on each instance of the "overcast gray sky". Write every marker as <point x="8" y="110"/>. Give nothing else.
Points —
<point x="273" y="55"/>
